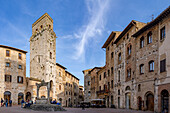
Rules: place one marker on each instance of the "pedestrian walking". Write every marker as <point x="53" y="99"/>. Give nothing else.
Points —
<point x="22" y="102"/>
<point x="6" y="103"/>
<point x="2" y="102"/>
<point x="10" y="103"/>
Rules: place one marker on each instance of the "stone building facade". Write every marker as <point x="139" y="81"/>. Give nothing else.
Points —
<point x="154" y="82"/>
<point x="139" y="56"/>
<point x="94" y="82"/>
<point x="12" y="73"/>
<point x="81" y="94"/>
<point x="124" y="65"/>
<point x="14" y="83"/>
<point x="43" y="66"/>
<point x="87" y="85"/>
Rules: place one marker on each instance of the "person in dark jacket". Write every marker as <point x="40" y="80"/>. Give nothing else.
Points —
<point x="6" y="102"/>
<point x="22" y="102"/>
<point x="10" y="103"/>
<point x="2" y="102"/>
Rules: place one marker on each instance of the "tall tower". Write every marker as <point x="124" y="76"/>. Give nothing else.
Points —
<point x="43" y="49"/>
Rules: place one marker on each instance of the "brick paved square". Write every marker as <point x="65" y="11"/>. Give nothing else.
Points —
<point x="17" y="109"/>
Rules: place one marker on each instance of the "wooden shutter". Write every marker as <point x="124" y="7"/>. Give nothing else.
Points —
<point x="10" y="78"/>
<point x="17" y="79"/>
<point x="5" y="78"/>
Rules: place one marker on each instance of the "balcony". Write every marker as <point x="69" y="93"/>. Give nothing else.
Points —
<point x="103" y="92"/>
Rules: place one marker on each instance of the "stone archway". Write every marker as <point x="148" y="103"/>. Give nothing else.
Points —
<point x="149" y="101"/>
<point x="7" y="95"/>
<point x="47" y="84"/>
<point x="20" y="97"/>
<point x="164" y="101"/>
<point x="28" y="96"/>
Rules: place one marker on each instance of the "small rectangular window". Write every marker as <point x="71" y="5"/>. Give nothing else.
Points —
<point x="151" y="66"/>
<point x="141" y="42"/>
<point x="149" y="37"/>
<point x="7" y="64"/>
<point x="162" y="35"/>
<point x="19" y="66"/>
<point x="7" y="53"/>
<point x="20" y="56"/>
<point x="20" y="79"/>
<point x="141" y="69"/>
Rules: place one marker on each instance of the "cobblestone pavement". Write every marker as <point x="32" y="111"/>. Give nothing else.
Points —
<point x="17" y="109"/>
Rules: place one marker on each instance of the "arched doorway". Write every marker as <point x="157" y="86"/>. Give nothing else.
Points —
<point x="118" y="102"/>
<point x="20" y="97"/>
<point x="69" y="102"/>
<point x="28" y="96"/>
<point x="139" y="103"/>
<point x="164" y="101"/>
<point x="150" y="101"/>
<point x="7" y="95"/>
<point x="66" y="103"/>
<point x="127" y="97"/>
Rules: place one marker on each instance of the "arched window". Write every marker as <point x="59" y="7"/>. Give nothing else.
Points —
<point x="141" y="68"/>
<point x="119" y="92"/>
<point x="149" y="37"/>
<point x="139" y="88"/>
<point x="50" y="55"/>
<point x="127" y="88"/>
<point x="41" y="26"/>
<point x="50" y="26"/>
<point x="108" y="72"/>
<point x="151" y="65"/>
<point x="142" y="42"/>
<point x="164" y="100"/>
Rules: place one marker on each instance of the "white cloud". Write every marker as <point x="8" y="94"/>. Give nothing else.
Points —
<point x="97" y="10"/>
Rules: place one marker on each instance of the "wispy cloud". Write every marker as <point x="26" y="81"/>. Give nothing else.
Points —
<point x="91" y="29"/>
<point x="97" y="10"/>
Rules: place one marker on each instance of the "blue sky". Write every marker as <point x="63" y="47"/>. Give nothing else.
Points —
<point x="82" y="26"/>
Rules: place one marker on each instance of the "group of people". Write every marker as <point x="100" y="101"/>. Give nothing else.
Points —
<point x="26" y="104"/>
<point x="6" y="102"/>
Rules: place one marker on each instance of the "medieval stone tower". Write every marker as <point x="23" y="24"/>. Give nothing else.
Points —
<point x="43" y="49"/>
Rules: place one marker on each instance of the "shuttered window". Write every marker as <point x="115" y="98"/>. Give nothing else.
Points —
<point x="8" y="78"/>
<point x="163" y="65"/>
